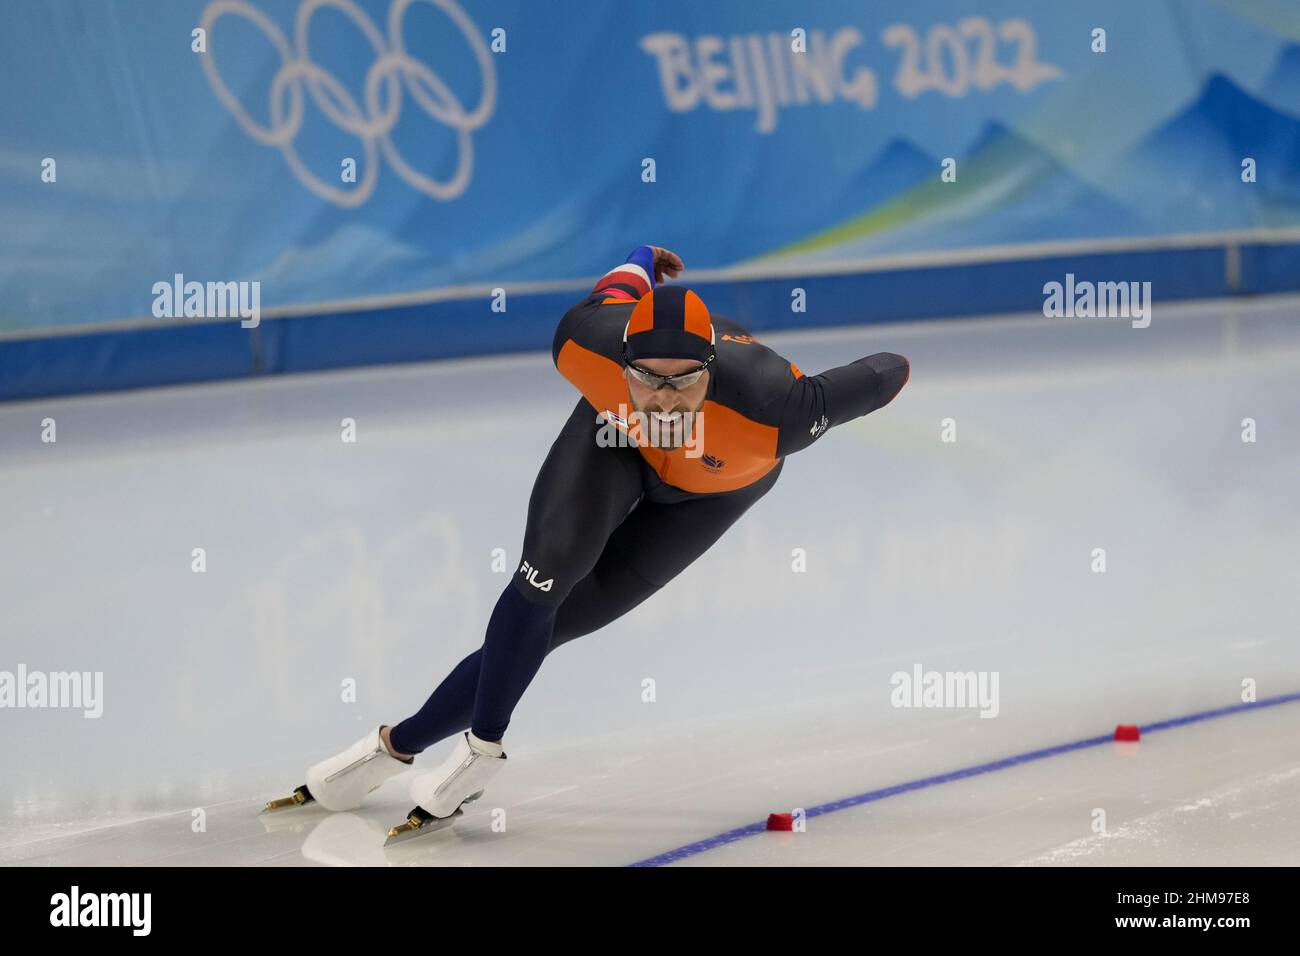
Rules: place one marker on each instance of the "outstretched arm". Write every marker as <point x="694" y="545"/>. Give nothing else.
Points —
<point x="817" y="403"/>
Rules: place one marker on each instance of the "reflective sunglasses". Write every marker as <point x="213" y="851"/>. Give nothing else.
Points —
<point x="654" y="381"/>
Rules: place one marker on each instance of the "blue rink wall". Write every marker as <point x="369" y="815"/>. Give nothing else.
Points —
<point x="895" y="160"/>
<point x="154" y="354"/>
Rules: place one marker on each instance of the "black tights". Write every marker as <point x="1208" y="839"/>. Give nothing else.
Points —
<point x="603" y="535"/>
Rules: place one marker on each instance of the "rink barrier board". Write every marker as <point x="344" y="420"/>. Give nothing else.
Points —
<point x="204" y="351"/>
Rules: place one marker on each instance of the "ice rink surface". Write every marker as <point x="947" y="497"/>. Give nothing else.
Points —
<point x="332" y="565"/>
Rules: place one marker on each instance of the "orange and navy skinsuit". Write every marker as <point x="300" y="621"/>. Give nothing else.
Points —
<point x="610" y="525"/>
<point x="759" y="407"/>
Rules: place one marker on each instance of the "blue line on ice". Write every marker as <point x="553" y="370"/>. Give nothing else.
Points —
<point x="871" y="796"/>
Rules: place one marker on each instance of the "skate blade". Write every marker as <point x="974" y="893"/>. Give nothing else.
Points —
<point x="418" y="823"/>
<point x="299" y="798"/>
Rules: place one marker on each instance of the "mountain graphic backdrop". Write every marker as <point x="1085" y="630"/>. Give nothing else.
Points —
<point x="1007" y="190"/>
<point x="1282" y="86"/>
<point x="1184" y="176"/>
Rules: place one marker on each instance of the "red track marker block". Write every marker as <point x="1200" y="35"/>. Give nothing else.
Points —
<point x="1127" y="732"/>
<point x="780" y="821"/>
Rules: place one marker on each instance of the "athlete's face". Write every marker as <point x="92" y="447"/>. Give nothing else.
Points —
<point x="667" y="404"/>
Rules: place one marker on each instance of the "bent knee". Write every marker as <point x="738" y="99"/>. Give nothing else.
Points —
<point x="548" y="571"/>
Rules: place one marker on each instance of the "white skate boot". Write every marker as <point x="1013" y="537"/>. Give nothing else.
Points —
<point x="342" y="781"/>
<point x="439" y="794"/>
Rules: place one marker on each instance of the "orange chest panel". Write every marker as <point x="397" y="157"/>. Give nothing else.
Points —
<point x="730" y="450"/>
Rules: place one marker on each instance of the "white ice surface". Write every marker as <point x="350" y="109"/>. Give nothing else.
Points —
<point x="373" y="562"/>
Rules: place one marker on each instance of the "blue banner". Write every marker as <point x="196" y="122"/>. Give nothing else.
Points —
<point x="308" y="156"/>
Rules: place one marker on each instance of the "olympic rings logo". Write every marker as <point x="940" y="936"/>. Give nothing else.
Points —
<point x="393" y="71"/>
